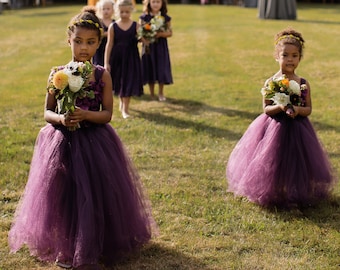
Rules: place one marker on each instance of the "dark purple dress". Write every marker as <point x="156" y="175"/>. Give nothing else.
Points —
<point x="83" y="201"/>
<point x="125" y="63"/>
<point x="156" y="66"/>
<point x="98" y="58"/>
<point x="279" y="161"/>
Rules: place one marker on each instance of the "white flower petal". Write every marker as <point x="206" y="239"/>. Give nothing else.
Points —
<point x="75" y="83"/>
<point x="280" y="99"/>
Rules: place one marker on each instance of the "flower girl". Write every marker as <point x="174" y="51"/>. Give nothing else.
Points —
<point x="279" y="161"/>
<point x="156" y="64"/>
<point x="83" y="203"/>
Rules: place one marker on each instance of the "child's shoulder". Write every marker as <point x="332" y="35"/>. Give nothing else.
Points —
<point x="101" y="72"/>
<point x="99" y="69"/>
<point x="145" y="16"/>
<point x="167" y="17"/>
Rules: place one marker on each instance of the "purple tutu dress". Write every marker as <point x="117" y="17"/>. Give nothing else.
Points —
<point x="279" y="161"/>
<point x="156" y="66"/>
<point x="83" y="202"/>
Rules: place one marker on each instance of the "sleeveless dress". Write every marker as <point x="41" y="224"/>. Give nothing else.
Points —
<point x="98" y="58"/>
<point x="279" y="161"/>
<point x="125" y="63"/>
<point x="156" y="66"/>
<point x="83" y="201"/>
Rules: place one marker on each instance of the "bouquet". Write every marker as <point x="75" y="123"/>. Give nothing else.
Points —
<point x="68" y="84"/>
<point x="284" y="92"/>
<point x="149" y="30"/>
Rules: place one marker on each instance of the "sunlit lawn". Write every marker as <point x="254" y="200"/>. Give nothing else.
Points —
<point x="221" y="56"/>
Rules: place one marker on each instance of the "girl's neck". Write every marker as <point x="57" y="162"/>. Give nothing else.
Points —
<point x="155" y="13"/>
<point x="75" y="60"/>
<point x="107" y="21"/>
<point x="289" y="75"/>
<point x="125" y="20"/>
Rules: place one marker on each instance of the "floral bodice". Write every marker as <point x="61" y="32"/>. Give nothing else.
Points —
<point x="97" y="86"/>
<point x="304" y="93"/>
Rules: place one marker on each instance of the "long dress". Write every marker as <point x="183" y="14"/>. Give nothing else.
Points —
<point x="279" y="161"/>
<point x="125" y="62"/>
<point x="156" y="65"/>
<point x="83" y="201"/>
<point x="98" y="58"/>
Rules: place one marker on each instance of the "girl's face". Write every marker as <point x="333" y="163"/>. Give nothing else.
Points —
<point x="107" y="10"/>
<point x="125" y="12"/>
<point x="288" y="58"/>
<point x="84" y="44"/>
<point x="156" y="5"/>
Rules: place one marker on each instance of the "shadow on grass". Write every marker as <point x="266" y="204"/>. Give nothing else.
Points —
<point x="195" y="108"/>
<point x="324" y="126"/>
<point x="318" y="22"/>
<point x="161" y="119"/>
<point x="152" y="257"/>
<point x="155" y="257"/>
<point x="325" y="215"/>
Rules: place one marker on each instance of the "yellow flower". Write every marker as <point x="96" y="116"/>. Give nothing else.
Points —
<point x="60" y="80"/>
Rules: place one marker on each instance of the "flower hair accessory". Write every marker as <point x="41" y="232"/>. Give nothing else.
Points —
<point x="288" y="36"/>
<point x="81" y="21"/>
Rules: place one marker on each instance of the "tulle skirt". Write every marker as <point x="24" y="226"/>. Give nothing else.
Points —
<point x="83" y="201"/>
<point x="279" y="161"/>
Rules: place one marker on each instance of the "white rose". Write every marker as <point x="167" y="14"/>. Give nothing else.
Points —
<point x="72" y="66"/>
<point x="294" y="87"/>
<point x="75" y="83"/>
<point x="159" y="22"/>
<point x="280" y="99"/>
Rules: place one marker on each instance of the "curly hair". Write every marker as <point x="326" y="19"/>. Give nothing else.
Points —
<point x="289" y="36"/>
<point x="87" y="19"/>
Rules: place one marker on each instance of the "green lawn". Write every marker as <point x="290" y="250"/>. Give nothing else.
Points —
<point x="221" y="56"/>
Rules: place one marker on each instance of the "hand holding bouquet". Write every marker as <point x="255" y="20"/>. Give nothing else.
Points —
<point x="68" y="84"/>
<point x="149" y="30"/>
<point x="283" y="91"/>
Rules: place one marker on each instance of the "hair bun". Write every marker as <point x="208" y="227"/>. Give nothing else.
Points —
<point x="89" y="9"/>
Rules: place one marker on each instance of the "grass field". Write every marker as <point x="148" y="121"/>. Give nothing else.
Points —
<point x="220" y="56"/>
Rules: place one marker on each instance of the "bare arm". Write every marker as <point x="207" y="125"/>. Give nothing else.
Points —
<point x="50" y="115"/>
<point x="167" y="33"/>
<point x="108" y="48"/>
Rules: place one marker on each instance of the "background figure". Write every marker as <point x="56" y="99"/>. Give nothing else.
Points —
<point x="279" y="160"/>
<point x="277" y="9"/>
<point x="122" y="58"/>
<point x="156" y="64"/>
<point x="83" y="203"/>
<point x="105" y="11"/>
